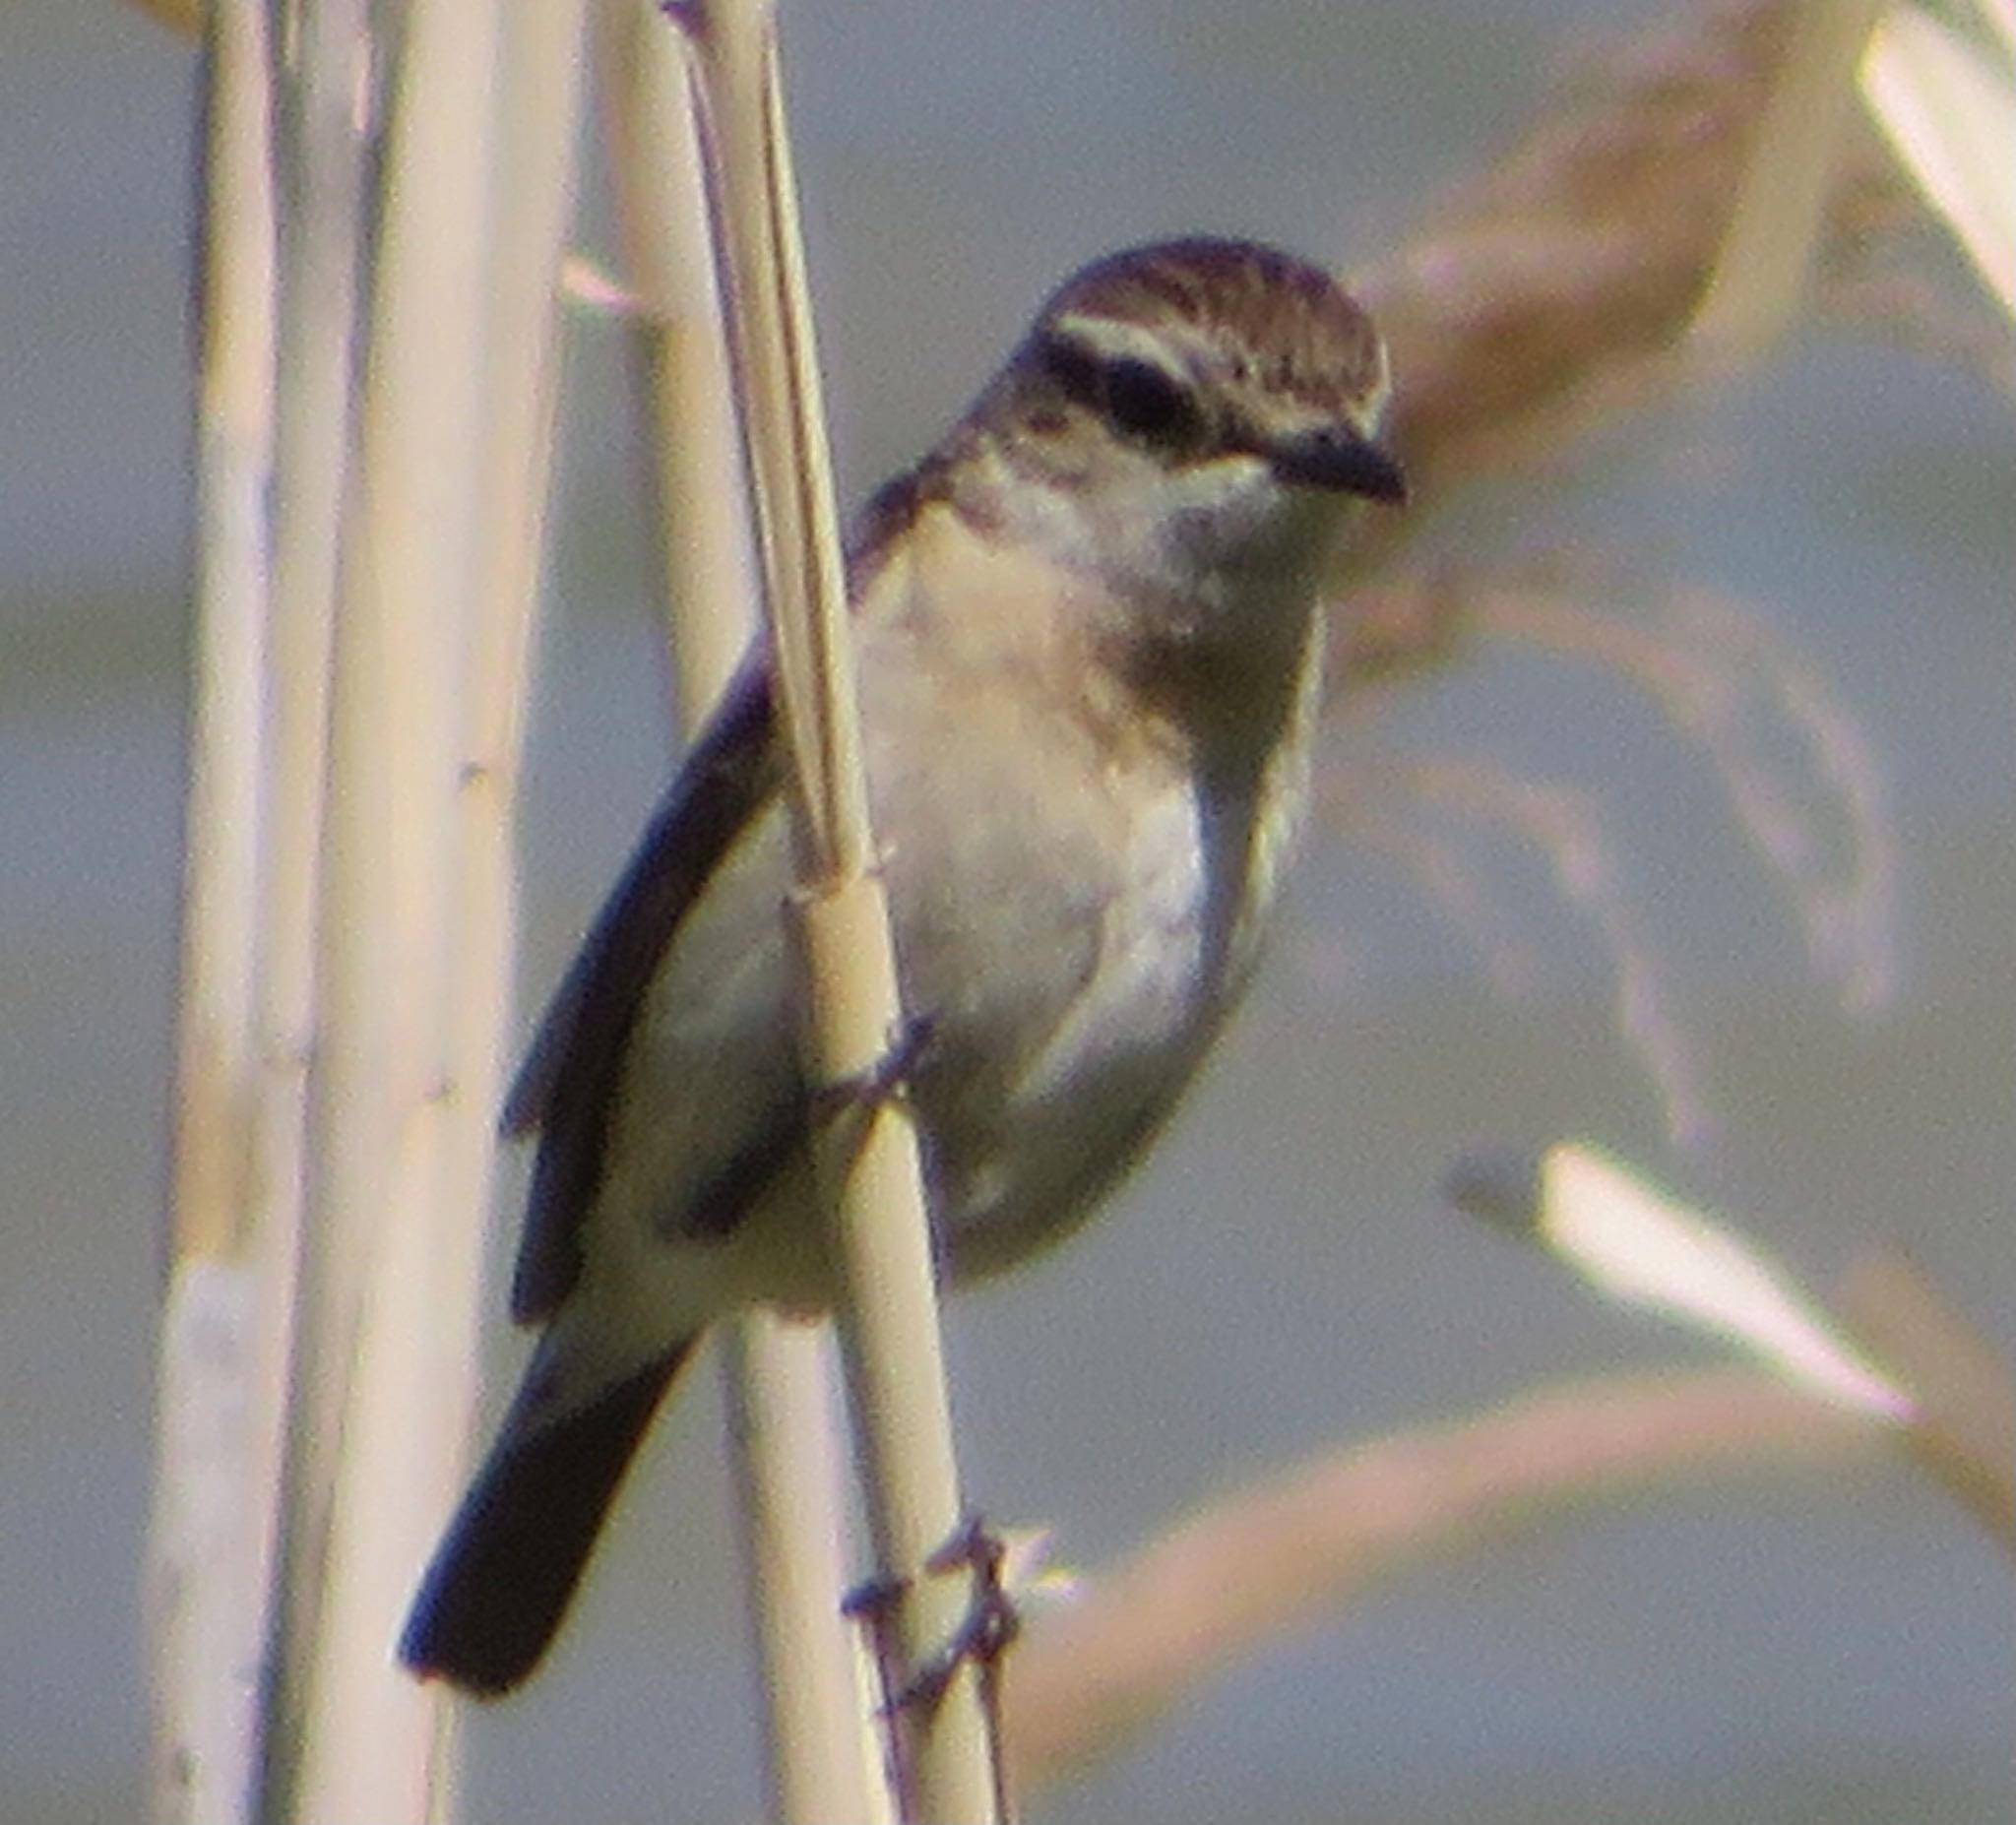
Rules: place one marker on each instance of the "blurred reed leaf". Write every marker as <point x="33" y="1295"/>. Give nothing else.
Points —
<point x="1643" y="1247"/>
<point x="1946" y="102"/>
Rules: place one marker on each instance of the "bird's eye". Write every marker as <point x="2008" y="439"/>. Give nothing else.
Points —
<point x="1142" y="400"/>
<point x="1138" y="399"/>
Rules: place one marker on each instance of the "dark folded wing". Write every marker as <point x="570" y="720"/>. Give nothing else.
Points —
<point x="568" y="1080"/>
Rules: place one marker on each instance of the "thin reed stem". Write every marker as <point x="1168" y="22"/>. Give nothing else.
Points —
<point x="868" y="1171"/>
<point x="783" y="1448"/>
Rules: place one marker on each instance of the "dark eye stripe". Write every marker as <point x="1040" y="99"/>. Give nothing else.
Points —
<point x="1137" y="398"/>
<point x="1145" y="402"/>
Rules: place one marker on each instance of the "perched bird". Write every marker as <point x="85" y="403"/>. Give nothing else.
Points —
<point x="1089" y="656"/>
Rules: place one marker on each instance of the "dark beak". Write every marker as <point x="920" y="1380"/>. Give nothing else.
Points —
<point x="1339" y="458"/>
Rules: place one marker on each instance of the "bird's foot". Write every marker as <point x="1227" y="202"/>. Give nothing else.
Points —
<point x="980" y="1638"/>
<point x="984" y="1633"/>
<point x="884" y="1081"/>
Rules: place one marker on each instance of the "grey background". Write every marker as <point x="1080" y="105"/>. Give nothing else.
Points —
<point x="1281" y="1277"/>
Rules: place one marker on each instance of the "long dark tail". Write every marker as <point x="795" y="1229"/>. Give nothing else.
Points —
<point x="507" y="1568"/>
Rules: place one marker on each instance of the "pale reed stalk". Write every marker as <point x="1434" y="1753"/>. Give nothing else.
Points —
<point x="783" y="1449"/>
<point x="383" y="1369"/>
<point x="868" y="1171"/>
<point x="209" y="1512"/>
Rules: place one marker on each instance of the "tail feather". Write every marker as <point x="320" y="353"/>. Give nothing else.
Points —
<point x="501" y="1580"/>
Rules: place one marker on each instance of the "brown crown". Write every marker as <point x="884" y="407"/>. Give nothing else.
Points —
<point x="1265" y="317"/>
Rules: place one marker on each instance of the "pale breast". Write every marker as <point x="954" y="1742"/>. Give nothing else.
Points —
<point x="1080" y="889"/>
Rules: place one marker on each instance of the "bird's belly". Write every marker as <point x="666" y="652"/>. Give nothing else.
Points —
<point x="1070" y="945"/>
<point x="1074" y="1024"/>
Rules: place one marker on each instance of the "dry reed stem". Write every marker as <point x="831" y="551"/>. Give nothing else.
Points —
<point x="705" y="550"/>
<point x="1759" y="276"/>
<point x="541" y="63"/>
<point x="782" y="1447"/>
<point x="1282" y="1555"/>
<point x="235" y="438"/>
<point x="321" y="148"/>
<point x="1965" y="1434"/>
<point x="384" y="1364"/>
<point x="1552" y="293"/>
<point x="868" y="1168"/>
<point x="209" y="1519"/>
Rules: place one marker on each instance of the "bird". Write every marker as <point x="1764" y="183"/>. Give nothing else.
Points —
<point x="1089" y="625"/>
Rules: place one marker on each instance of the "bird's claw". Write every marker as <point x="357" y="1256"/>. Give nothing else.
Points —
<point x="987" y="1629"/>
<point x="886" y="1080"/>
<point x="982" y="1637"/>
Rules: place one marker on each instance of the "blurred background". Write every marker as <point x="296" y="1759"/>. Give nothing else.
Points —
<point x="1282" y="1277"/>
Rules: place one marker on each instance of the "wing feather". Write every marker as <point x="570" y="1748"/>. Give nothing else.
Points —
<point x="567" y="1085"/>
